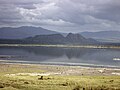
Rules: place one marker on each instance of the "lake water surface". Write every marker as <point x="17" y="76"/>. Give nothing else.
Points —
<point x="64" y="56"/>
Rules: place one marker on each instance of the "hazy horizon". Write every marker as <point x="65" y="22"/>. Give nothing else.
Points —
<point x="61" y="31"/>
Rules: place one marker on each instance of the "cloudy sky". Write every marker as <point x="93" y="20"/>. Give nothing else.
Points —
<point x="61" y="15"/>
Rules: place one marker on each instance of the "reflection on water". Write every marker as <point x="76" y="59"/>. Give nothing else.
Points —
<point x="64" y="55"/>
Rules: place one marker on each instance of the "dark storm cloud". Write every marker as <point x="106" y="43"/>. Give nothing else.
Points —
<point x="110" y="11"/>
<point x="8" y="14"/>
<point x="63" y="15"/>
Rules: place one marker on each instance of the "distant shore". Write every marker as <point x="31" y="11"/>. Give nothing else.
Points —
<point x="62" y="46"/>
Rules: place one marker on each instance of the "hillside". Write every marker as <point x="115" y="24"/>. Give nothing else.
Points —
<point x="23" y="32"/>
<point x="51" y="39"/>
<point x="103" y="36"/>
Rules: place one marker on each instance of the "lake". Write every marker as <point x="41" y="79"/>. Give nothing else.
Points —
<point x="62" y="56"/>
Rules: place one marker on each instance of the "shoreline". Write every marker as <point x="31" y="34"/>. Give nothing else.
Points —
<point x="59" y="64"/>
<point x="77" y="70"/>
<point x="62" y="46"/>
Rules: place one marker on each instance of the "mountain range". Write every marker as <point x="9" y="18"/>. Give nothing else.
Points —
<point x="60" y="39"/>
<point x="23" y="32"/>
<point x="51" y="39"/>
<point x="38" y="32"/>
<point x="103" y="36"/>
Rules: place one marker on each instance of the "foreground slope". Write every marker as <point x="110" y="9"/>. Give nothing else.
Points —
<point x="46" y="77"/>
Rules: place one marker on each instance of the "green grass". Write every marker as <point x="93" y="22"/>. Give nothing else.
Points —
<point x="54" y="82"/>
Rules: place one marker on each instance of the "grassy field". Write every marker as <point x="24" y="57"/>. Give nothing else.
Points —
<point x="29" y="77"/>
